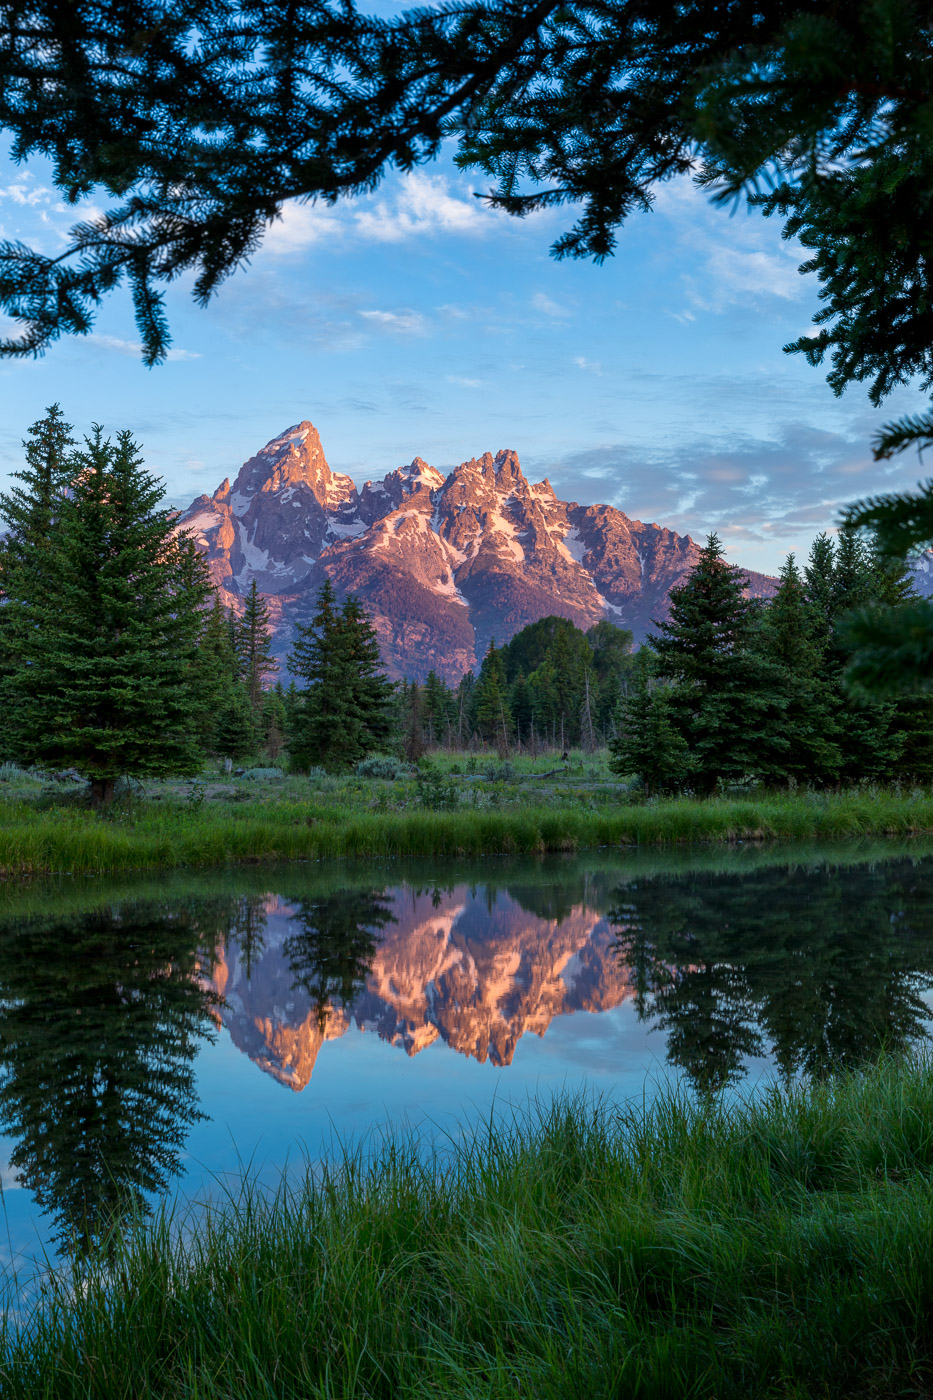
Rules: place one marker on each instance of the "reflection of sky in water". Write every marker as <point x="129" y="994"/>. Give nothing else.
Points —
<point x="531" y="955"/>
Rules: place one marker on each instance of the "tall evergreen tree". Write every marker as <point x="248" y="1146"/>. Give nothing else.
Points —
<point x="726" y="699"/>
<point x="104" y="677"/>
<point x="793" y="636"/>
<point x="647" y="743"/>
<point x="28" y="511"/>
<point x="344" y="702"/>
<point x="370" y="692"/>
<point x="254" y="645"/>
<point x="490" y="701"/>
<point x="220" y="685"/>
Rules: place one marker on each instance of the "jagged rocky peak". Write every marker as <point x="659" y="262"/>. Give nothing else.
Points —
<point x="293" y="459"/>
<point x="442" y="563"/>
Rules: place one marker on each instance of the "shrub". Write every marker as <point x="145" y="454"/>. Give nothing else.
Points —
<point x="381" y="765"/>
<point x="435" y="792"/>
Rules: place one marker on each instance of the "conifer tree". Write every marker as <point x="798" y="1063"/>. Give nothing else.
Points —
<point x="274" y="721"/>
<point x="28" y="510"/>
<point x="839" y="579"/>
<point x="105" y="677"/>
<point x="793" y="635"/>
<point x="490" y="702"/>
<point x="438" y="709"/>
<point x="343" y="709"/>
<point x="726" y="700"/>
<point x="236" y="732"/>
<point x="218" y="674"/>
<point x="412" y="722"/>
<point x="647" y="743"/>
<point x="370" y="692"/>
<point x="254" y="645"/>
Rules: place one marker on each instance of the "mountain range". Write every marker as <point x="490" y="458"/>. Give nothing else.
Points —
<point x="441" y="563"/>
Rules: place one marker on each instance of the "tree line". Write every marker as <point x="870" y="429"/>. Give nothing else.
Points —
<point x="731" y="688"/>
<point x="117" y="657"/>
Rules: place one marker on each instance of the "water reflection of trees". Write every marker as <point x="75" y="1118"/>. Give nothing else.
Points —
<point x="331" y="949"/>
<point x="101" y="1017"/>
<point x="826" y="967"/>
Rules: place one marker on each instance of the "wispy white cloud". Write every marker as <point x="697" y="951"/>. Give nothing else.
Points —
<point x="588" y="366"/>
<point x="549" y="307"/>
<point x="415" y="205"/>
<point x="465" y="383"/>
<point x="727" y="262"/>
<point x="399" y="322"/>
<point x="134" y="348"/>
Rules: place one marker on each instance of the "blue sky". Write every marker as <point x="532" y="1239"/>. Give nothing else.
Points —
<point x="418" y="322"/>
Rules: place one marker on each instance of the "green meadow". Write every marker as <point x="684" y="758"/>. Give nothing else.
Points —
<point x="437" y="811"/>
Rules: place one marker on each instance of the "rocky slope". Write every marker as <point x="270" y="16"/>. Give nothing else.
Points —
<point x="441" y="563"/>
<point x="449" y="967"/>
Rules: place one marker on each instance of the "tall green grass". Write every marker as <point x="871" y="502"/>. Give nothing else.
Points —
<point x="779" y="1248"/>
<point x="34" y="841"/>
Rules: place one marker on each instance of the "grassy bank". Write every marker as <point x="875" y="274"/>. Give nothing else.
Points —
<point x="778" y="1249"/>
<point x="300" y="824"/>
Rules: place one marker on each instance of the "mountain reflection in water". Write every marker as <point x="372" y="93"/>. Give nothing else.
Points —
<point x="107" y="1005"/>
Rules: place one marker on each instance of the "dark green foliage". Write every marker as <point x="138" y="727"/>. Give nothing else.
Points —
<point x="647" y="742"/>
<point x="413" y="737"/>
<point x="253" y="633"/>
<point x="104" y="677"/>
<point x="439" y="710"/>
<point x="764" y="691"/>
<point x="226" y="727"/>
<point x="726" y="700"/>
<point x="550" y="684"/>
<point x="491" y="714"/>
<point x="236" y="733"/>
<point x="274" y="721"/>
<point x="794" y="636"/>
<point x="28" y="510"/>
<point x="343" y="705"/>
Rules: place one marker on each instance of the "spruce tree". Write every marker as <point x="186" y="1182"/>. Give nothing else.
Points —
<point x="220" y="686"/>
<point x="793" y="636"/>
<point x="343" y="709"/>
<point x="726" y="700"/>
<point x="370" y="692"/>
<point x="647" y="744"/>
<point x="254" y="645"/>
<point x="412" y="721"/>
<point x="236" y="733"/>
<point x="839" y="579"/>
<point x="105" y="676"/>
<point x="274" y="721"/>
<point x="490" y="701"/>
<point x="28" y="511"/>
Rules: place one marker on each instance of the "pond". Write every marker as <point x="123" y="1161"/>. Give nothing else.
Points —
<point x="168" y="1034"/>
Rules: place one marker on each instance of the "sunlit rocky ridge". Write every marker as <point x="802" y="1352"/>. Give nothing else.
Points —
<point x="442" y="563"/>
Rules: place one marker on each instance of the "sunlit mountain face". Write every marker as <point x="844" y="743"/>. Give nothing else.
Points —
<point x="441" y="562"/>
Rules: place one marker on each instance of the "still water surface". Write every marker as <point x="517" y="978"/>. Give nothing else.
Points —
<point x="165" y="1035"/>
